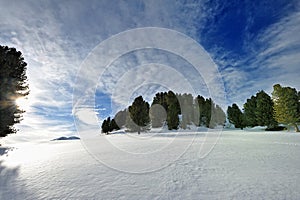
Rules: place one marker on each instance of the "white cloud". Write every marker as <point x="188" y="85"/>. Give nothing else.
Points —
<point x="49" y="69"/>
<point x="281" y="54"/>
<point x="133" y="81"/>
<point x="55" y="37"/>
<point x="273" y="57"/>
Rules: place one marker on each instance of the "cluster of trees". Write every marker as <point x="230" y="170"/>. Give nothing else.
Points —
<point x="13" y="85"/>
<point x="135" y="118"/>
<point x="258" y="111"/>
<point x="109" y="125"/>
<point x="171" y="110"/>
<point x="262" y="110"/>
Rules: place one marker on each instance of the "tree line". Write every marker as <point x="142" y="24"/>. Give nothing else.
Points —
<point x="167" y="109"/>
<point x="262" y="110"/>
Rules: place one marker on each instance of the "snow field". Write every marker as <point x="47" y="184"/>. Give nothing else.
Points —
<point x="242" y="165"/>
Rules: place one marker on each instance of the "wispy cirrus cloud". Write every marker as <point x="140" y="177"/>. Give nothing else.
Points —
<point x="49" y="69"/>
<point x="265" y="48"/>
<point x="56" y="36"/>
<point x="147" y="72"/>
<point x="253" y="45"/>
<point x="281" y="54"/>
<point x="153" y="57"/>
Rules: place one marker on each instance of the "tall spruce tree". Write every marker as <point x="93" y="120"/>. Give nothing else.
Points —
<point x="139" y="115"/>
<point x="208" y="105"/>
<point x="161" y="99"/>
<point x="105" y="125"/>
<point x="173" y="111"/>
<point x="13" y="85"/>
<point x="265" y="110"/>
<point x="200" y="101"/>
<point x="235" y="116"/>
<point x="298" y="103"/>
<point x="250" y="112"/>
<point x="109" y="125"/>
<point x="286" y="105"/>
<point x="113" y="125"/>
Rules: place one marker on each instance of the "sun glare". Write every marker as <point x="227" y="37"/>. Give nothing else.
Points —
<point x="23" y="103"/>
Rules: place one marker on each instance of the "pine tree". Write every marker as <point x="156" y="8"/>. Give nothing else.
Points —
<point x="109" y="125"/>
<point x="286" y="105"/>
<point x="161" y="99"/>
<point x="173" y="111"/>
<point x="139" y="115"/>
<point x="200" y="102"/>
<point x="250" y="112"/>
<point x="265" y="110"/>
<point x="235" y="116"/>
<point x="113" y="125"/>
<point x="105" y="125"/>
<point x="298" y="103"/>
<point x="12" y="86"/>
<point x="207" y="112"/>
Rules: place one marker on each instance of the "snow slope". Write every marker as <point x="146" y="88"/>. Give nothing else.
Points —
<point x="242" y="165"/>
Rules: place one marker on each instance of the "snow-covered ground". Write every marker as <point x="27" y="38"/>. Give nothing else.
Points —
<point x="242" y="165"/>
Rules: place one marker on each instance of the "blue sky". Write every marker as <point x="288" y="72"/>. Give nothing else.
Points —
<point x="254" y="44"/>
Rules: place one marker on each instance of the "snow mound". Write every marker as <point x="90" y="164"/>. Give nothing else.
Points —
<point x="118" y="132"/>
<point x="67" y="138"/>
<point x="256" y="129"/>
<point x="189" y="128"/>
<point x="3" y="150"/>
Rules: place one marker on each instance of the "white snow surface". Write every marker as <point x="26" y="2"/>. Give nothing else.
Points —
<point x="242" y="165"/>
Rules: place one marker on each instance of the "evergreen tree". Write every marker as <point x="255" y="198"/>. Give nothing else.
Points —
<point x="207" y="112"/>
<point x="250" y="112"/>
<point x="173" y="111"/>
<point x="161" y="99"/>
<point x="109" y="125"/>
<point x="139" y="115"/>
<point x="12" y="86"/>
<point x="113" y="125"/>
<point x="265" y="110"/>
<point x="298" y="103"/>
<point x="105" y="125"/>
<point x="286" y="105"/>
<point x="200" y="102"/>
<point x="235" y="116"/>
